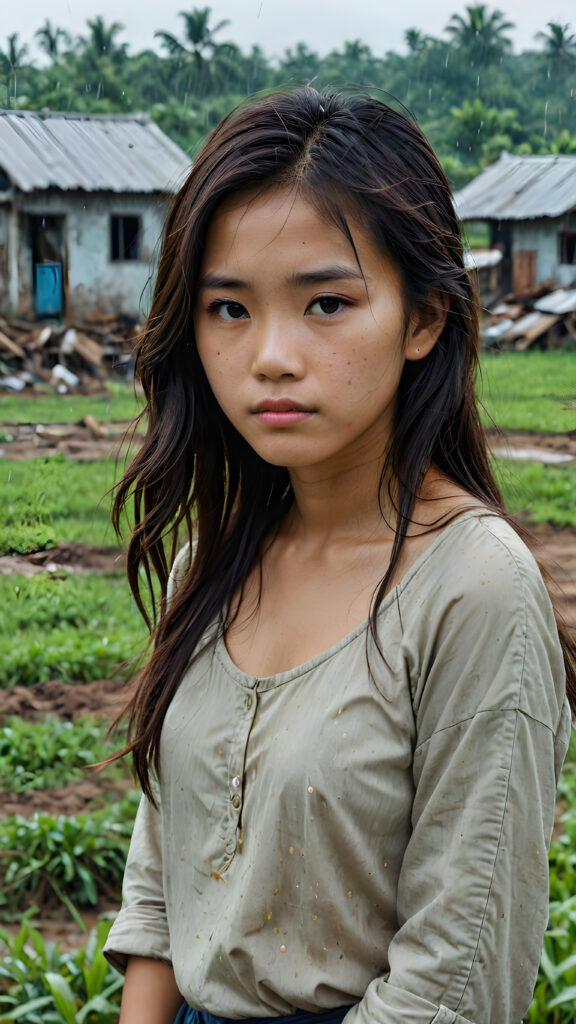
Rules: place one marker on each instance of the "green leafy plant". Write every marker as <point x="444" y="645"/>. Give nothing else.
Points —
<point x="555" y="994"/>
<point x="52" y="753"/>
<point x="77" y="860"/>
<point x="41" y="984"/>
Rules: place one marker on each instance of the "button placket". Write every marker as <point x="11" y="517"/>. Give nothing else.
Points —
<point x="236" y="766"/>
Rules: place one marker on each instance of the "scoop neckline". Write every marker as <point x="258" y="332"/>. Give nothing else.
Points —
<point x="252" y="681"/>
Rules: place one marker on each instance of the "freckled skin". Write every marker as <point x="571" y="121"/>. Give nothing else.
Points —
<point x="267" y="334"/>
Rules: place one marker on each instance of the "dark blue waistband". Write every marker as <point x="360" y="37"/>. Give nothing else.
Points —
<point x="187" y="1015"/>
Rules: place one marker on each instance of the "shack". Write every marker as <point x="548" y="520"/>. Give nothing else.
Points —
<point x="529" y="203"/>
<point x="82" y="204"/>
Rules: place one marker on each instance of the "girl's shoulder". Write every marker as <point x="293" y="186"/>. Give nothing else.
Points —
<point x="478" y="628"/>
<point x="479" y="550"/>
<point x="180" y="567"/>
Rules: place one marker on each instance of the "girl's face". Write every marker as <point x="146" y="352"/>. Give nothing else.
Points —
<point x="303" y="344"/>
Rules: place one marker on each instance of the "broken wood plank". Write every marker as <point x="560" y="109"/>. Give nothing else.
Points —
<point x="12" y="347"/>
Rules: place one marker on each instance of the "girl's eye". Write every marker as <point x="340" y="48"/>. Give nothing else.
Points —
<point x="327" y="305"/>
<point x="228" y="310"/>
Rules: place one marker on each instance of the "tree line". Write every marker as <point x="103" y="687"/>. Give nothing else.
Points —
<point x="471" y="94"/>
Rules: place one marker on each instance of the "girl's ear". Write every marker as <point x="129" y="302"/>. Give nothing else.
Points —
<point x="426" y="325"/>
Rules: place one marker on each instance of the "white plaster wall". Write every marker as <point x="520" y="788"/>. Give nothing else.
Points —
<point x="94" y="283"/>
<point x="542" y="235"/>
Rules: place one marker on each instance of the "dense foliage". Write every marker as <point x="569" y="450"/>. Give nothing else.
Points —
<point x="75" y="860"/>
<point x="42" y="984"/>
<point x="471" y="93"/>
<point x="53" y="753"/>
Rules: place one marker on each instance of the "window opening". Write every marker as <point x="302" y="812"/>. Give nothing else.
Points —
<point x="567" y="239"/>
<point x="125" y="237"/>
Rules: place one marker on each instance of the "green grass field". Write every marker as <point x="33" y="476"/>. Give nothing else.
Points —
<point x="47" y="501"/>
<point x="539" y="493"/>
<point x="529" y="390"/>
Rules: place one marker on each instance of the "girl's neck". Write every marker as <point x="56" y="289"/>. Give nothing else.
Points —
<point x="336" y="507"/>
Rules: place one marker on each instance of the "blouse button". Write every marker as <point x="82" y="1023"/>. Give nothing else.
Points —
<point x="236" y="802"/>
<point x="248" y="701"/>
<point x="236" y="782"/>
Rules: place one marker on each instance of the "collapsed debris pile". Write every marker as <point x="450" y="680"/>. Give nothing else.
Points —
<point x="543" y="317"/>
<point x="78" y="356"/>
<point x="80" y="442"/>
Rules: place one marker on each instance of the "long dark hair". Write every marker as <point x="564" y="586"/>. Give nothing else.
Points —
<point x="352" y="156"/>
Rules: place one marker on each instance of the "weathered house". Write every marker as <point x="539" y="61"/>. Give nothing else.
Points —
<point x="82" y="203"/>
<point x="529" y="203"/>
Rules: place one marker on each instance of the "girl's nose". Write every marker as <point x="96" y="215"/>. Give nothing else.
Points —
<point x="277" y="351"/>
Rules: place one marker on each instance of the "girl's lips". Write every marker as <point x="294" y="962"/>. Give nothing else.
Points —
<point x="283" y="418"/>
<point x="281" y="412"/>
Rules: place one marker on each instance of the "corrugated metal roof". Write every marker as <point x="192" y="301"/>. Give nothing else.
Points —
<point x="520" y="188"/>
<point x="93" y="153"/>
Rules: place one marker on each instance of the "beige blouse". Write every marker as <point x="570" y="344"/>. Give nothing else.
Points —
<point x="329" y="836"/>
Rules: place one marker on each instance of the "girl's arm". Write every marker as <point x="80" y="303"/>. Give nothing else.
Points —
<point x="150" y="993"/>
<point x="487" y="680"/>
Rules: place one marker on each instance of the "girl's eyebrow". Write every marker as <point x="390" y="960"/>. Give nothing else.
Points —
<point x="218" y="282"/>
<point x="335" y="273"/>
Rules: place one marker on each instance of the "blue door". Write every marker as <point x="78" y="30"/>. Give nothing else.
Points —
<point x="49" y="294"/>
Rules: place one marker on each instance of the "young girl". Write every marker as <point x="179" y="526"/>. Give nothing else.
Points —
<point x="352" y="722"/>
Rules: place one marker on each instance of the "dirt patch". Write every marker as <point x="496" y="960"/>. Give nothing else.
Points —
<point x="104" y="697"/>
<point x="534" y="445"/>
<point x="92" y="794"/>
<point x="76" y="559"/>
<point x="556" y="552"/>
<point x="60" y="927"/>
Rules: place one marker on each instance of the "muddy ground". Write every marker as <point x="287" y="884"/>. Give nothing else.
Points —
<point x="556" y="550"/>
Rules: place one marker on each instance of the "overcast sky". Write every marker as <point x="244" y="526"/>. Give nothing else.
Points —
<point x="277" y="24"/>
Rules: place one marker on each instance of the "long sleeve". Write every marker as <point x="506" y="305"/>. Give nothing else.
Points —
<point x="492" y="729"/>
<point x="141" y="928"/>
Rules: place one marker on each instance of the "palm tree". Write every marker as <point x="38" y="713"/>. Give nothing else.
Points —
<point x="559" y="46"/>
<point x="481" y="35"/>
<point x="199" y="44"/>
<point x="49" y="39"/>
<point x="102" y="41"/>
<point x="12" y="60"/>
<point x="300" y="64"/>
<point x="415" y="40"/>
<point x="102" y="59"/>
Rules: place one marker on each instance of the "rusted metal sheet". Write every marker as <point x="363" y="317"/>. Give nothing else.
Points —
<point x="520" y="188"/>
<point x="115" y="153"/>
